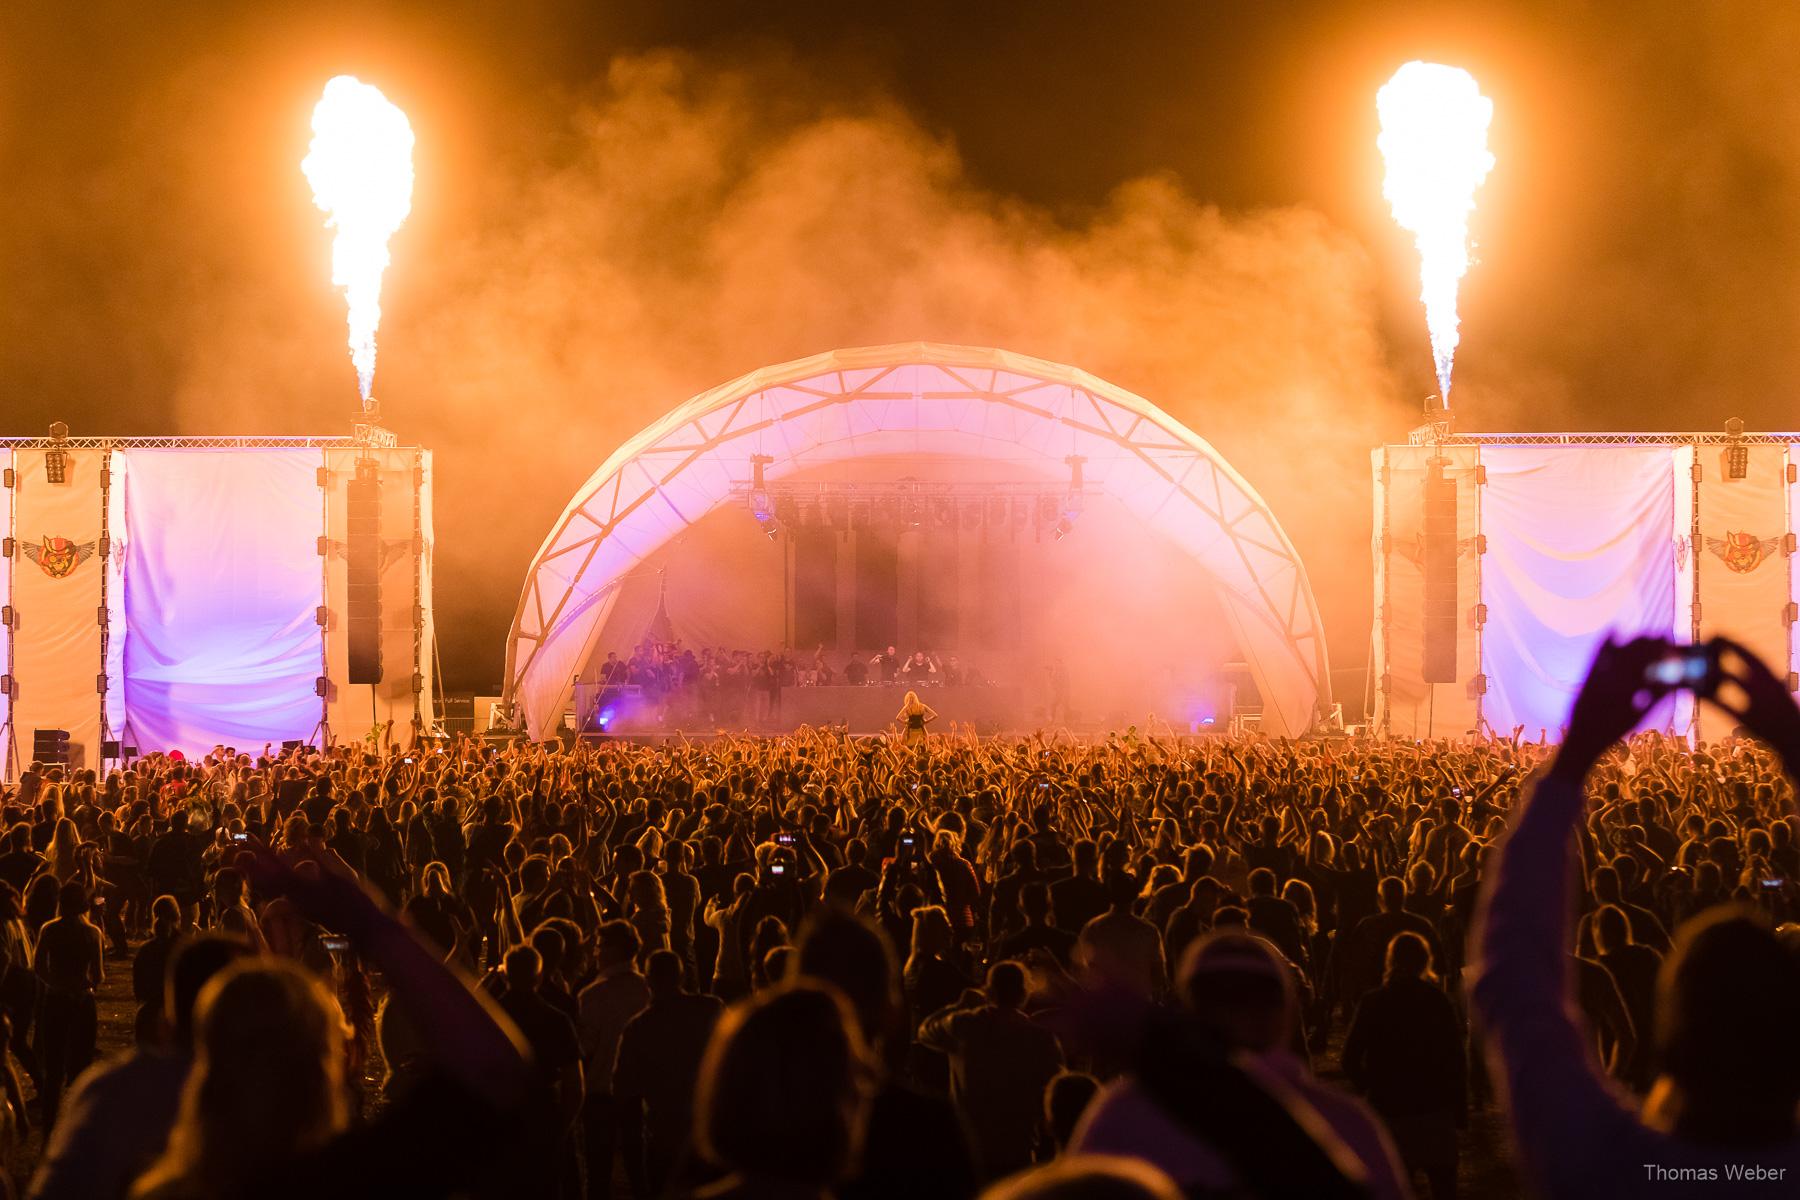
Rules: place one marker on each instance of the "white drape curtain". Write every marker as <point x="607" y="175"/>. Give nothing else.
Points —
<point x="222" y="643"/>
<point x="1743" y="569"/>
<point x="56" y="600"/>
<point x="7" y="759"/>
<point x="1578" y="544"/>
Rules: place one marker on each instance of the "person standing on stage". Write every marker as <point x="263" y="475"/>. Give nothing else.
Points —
<point x="913" y="716"/>
<point x="918" y="669"/>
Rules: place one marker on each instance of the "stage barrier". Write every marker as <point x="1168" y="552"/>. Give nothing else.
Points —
<point x="185" y="593"/>
<point x="1557" y="540"/>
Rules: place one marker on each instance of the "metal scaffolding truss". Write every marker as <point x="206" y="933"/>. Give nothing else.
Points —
<point x="1420" y="437"/>
<point x="1024" y="415"/>
<point x="176" y="443"/>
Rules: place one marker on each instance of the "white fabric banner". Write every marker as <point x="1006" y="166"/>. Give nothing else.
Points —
<point x="1579" y="545"/>
<point x="1742" y="567"/>
<point x="115" y="601"/>
<point x="357" y="710"/>
<point x="1411" y="707"/>
<point x="1682" y="541"/>
<point x="222" y="590"/>
<point x="428" y="635"/>
<point x="10" y="764"/>
<point x="56" y="601"/>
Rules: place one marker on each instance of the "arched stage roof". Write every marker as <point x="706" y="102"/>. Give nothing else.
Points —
<point x="916" y="398"/>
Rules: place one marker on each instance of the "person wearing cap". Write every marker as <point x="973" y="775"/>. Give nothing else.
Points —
<point x="1236" y="987"/>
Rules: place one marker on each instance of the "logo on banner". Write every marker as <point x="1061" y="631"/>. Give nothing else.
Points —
<point x="1742" y="552"/>
<point x="59" y="556"/>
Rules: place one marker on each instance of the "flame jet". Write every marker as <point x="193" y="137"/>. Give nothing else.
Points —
<point x="361" y="172"/>
<point x="1434" y="123"/>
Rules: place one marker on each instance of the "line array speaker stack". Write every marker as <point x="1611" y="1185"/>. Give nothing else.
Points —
<point x="1438" y="560"/>
<point x="362" y="552"/>
<point x="50" y="747"/>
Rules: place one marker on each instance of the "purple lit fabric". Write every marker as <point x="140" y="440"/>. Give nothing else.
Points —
<point x="222" y="583"/>
<point x="1578" y="544"/>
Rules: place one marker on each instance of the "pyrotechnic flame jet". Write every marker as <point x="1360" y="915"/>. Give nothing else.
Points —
<point x="1434" y="123"/>
<point x="361" y="172"/>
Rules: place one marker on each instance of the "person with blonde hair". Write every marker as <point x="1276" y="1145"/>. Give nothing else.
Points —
<point x="912" y="718"/>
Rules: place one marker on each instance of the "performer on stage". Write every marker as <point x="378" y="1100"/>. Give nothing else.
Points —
<point x="913" y="716"/>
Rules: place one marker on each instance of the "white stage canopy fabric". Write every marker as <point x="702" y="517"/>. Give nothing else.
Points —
<point x="222" y="585"/>
<point x="920" y="399"/>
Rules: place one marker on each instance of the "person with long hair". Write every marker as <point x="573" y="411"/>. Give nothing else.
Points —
<point x="912" y="718"/>
<point x="1405" y="1051"/>
<point x="647" y="908"/>
<point x="64" y="858"/>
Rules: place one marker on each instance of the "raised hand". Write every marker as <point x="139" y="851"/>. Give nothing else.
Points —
<point x="1766" y="706"/>
<point x="1614" y="698"/>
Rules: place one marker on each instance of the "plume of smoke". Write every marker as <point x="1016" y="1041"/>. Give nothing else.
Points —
<point x="683" y="223"/>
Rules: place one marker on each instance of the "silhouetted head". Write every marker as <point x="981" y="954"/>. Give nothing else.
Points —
<point x="1006" y="985"/>
<point x="846" y="951"/>
<point x="1239" y="988"/>
<point x="779" y="1091"/>
<point x="1726" y="1033"/>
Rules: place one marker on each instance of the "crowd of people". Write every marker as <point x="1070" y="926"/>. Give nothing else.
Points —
<point x="932" y="966"/>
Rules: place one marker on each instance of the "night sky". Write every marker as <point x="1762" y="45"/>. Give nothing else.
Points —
<point x="165" y="271"/>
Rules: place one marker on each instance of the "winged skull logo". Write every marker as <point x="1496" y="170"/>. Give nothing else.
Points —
<point x="1742" y="552"/>
<point x="59" y="556"/>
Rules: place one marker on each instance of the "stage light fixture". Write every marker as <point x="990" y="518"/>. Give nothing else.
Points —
<point x="1075" y="500"/>
<point x="762" y="506"/>
<point x="1064" y="526"/>
<point x="1737" y="454"/>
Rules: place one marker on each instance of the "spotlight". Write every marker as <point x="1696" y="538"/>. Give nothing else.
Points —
<point x="1075" y="500"/>
<point x="770" y="527"/>
<point x="1063" y="528"/>
<point x="762" y="506"/>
